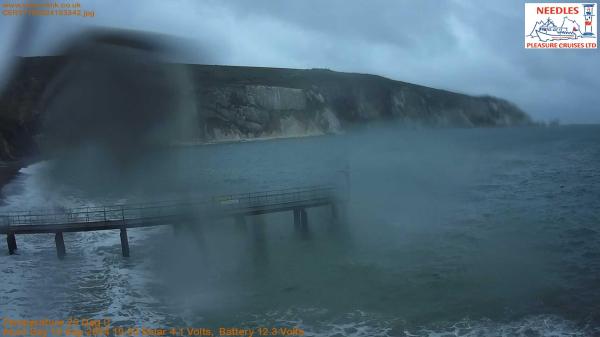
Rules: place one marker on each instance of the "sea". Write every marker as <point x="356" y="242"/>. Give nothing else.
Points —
<point x="446" y="232"/>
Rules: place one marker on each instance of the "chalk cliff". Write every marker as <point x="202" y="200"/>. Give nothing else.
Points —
<point x="247" y="102"/>
<point x="242" y="102"/>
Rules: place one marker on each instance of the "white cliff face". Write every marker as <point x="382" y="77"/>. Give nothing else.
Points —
<point x="276" y="98"/>
<point x="255" y="111"/>
<point x="213" y="103"/>
<point x="250" y="111"/>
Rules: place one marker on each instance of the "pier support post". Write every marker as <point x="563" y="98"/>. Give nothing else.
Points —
<point x="301" y="220"/>
<point x="339" y="212"/>
<point x="339" y="218"/>
<point x="60" y="245"/>
<point x="11" y="240"/>
<point x="296" y="218"/>
<point x="124" y="242"/>
<point x="240" y="223"/>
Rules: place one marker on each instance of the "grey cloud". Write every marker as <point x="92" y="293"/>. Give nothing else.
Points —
<point x="467" y="46"/>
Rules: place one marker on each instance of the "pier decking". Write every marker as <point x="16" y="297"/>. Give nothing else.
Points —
<point x="126" y="216"/>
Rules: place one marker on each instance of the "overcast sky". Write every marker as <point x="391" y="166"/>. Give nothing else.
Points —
<point x="469" y="46"/>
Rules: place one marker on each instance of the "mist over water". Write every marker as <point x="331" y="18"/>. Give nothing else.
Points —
<point x="470" y="232"/>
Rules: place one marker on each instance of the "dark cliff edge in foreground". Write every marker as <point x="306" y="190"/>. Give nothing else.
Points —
<point x="250" y="102"/>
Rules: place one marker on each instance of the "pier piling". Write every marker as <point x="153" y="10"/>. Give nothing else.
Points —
<point x="301" y="220"/>
<point x="60" y="245"/>
<point x="124" y="242"/>
<point x="11" y="240"/>
<point x="297" y="219"/>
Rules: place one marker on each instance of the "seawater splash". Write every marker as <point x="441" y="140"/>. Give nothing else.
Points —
<point x="31" y="190"/>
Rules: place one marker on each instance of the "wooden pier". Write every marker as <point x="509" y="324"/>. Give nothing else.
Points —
<point x="126" y="216"/>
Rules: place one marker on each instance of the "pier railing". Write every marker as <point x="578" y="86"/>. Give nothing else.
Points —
<point x="173" y="212"/>
<point x="225" y="204"/>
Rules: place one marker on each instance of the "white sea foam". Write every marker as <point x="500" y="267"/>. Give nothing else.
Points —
<point x="362" y="324"/>
<point x="540" y="325"/>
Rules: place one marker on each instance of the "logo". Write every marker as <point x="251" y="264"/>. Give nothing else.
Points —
<point x="561" y="26"/>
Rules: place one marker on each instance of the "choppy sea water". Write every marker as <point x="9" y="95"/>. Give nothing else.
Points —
<point x="474" y="232"/>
